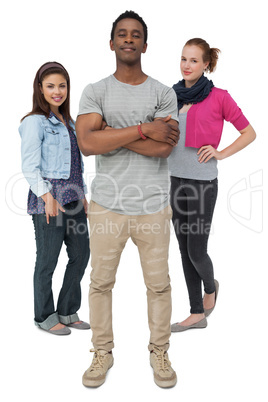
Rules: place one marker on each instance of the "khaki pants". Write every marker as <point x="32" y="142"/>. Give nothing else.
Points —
<point x="109" y="233"/>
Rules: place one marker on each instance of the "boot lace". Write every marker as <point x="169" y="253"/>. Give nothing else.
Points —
<point x="162" y="360"/>
<point x="97" y="362"/>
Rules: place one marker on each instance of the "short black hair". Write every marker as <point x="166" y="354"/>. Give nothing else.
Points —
<point x="135" y="16"/>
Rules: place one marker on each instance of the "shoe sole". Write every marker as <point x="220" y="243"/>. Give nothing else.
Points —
<point x="82" y="326"/>
<point x="165" y="383"/>
<point x="95" y="383"/>
<point x="58" y="332"/>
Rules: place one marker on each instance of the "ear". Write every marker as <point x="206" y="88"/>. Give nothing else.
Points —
<point x="40" y="87"/>
<point x="144" y="47"/>
<point x="111" y="45"/>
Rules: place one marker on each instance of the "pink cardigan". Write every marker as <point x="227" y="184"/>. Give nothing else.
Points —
<point x="205" y="120"/>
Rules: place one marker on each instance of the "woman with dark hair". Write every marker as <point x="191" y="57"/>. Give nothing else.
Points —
<point x="52" y="164"/>
<point x="193" y="167"/>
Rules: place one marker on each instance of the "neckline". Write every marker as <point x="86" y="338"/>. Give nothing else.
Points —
<point x="131" y="85"/>
<point x="53" y="115"/>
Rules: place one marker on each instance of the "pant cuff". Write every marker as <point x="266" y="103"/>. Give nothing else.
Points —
<point x="108" y="346"/>
<point x="50" y="322"/>
<point x="151" y="347"/>
<point x="197" y="311"/>
<point x="68" y="319"/>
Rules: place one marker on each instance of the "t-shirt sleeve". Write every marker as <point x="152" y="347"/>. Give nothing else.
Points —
<point x="232" y="113"/>
<point x="89" y="102"/>
<point x="168" y="105"/>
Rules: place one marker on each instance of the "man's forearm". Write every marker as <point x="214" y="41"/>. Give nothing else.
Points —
<point x="92" y="140"/>
<point x="96" y="142"/>
<point x="150" y="147"/>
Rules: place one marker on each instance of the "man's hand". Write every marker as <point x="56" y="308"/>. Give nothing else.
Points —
<point x="85" y="204"/>
<point x="162" y="130"/>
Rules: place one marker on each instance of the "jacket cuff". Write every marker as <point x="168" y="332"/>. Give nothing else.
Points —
<point x="41" y="188"/>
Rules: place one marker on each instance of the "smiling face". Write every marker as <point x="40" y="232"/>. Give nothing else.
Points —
<point x="54" y="89"/>
<point x="128" y="42"/>
<point x="192" y="64"/>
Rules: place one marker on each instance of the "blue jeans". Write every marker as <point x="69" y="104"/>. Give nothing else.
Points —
<point x="193" y="203"/>
<point x="69" y="228"/>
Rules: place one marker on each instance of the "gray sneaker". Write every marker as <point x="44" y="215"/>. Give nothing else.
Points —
<point x="164" y="375"/>
<point x="96" y="373"/>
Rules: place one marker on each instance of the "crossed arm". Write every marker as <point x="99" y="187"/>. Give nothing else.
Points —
<point x="162" y="135"/>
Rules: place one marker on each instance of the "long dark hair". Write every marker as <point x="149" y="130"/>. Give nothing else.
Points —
<point x="40" y="105"/>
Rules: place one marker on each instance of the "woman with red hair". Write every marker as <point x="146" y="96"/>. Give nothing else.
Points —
<point x="193" y="167"/>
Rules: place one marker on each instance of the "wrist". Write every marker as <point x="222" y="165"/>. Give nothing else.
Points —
<point x="143" y="137"/>
<point x="222" y="155"/>
<point x="148" y="130"/>
<point x="46" y="196"/>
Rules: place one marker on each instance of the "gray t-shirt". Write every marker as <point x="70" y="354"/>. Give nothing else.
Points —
<point x="127" y="182"/>
<point x="183" y="161"/>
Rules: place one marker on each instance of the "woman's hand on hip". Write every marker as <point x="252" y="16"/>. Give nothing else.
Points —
<point x="207" y="152"/>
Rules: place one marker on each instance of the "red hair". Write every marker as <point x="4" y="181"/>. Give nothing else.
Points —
<point x="210" y="55"/>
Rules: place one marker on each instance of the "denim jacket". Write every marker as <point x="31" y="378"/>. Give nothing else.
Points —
<point x="45" y="152"/>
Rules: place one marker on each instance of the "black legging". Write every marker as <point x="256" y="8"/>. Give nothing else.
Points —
<point x="193" y="203"/>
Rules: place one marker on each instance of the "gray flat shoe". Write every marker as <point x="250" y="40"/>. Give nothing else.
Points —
<point x="82" y="325"/>
<point x="209" y="310"/>
<point x="62" y="331"/>
<point x="180" y="328"/>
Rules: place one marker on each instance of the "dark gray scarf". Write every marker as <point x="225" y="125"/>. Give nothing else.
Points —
<point x="198" y="92"/>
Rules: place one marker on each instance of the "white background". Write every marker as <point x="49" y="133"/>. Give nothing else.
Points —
<point x="228" y="359"/>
